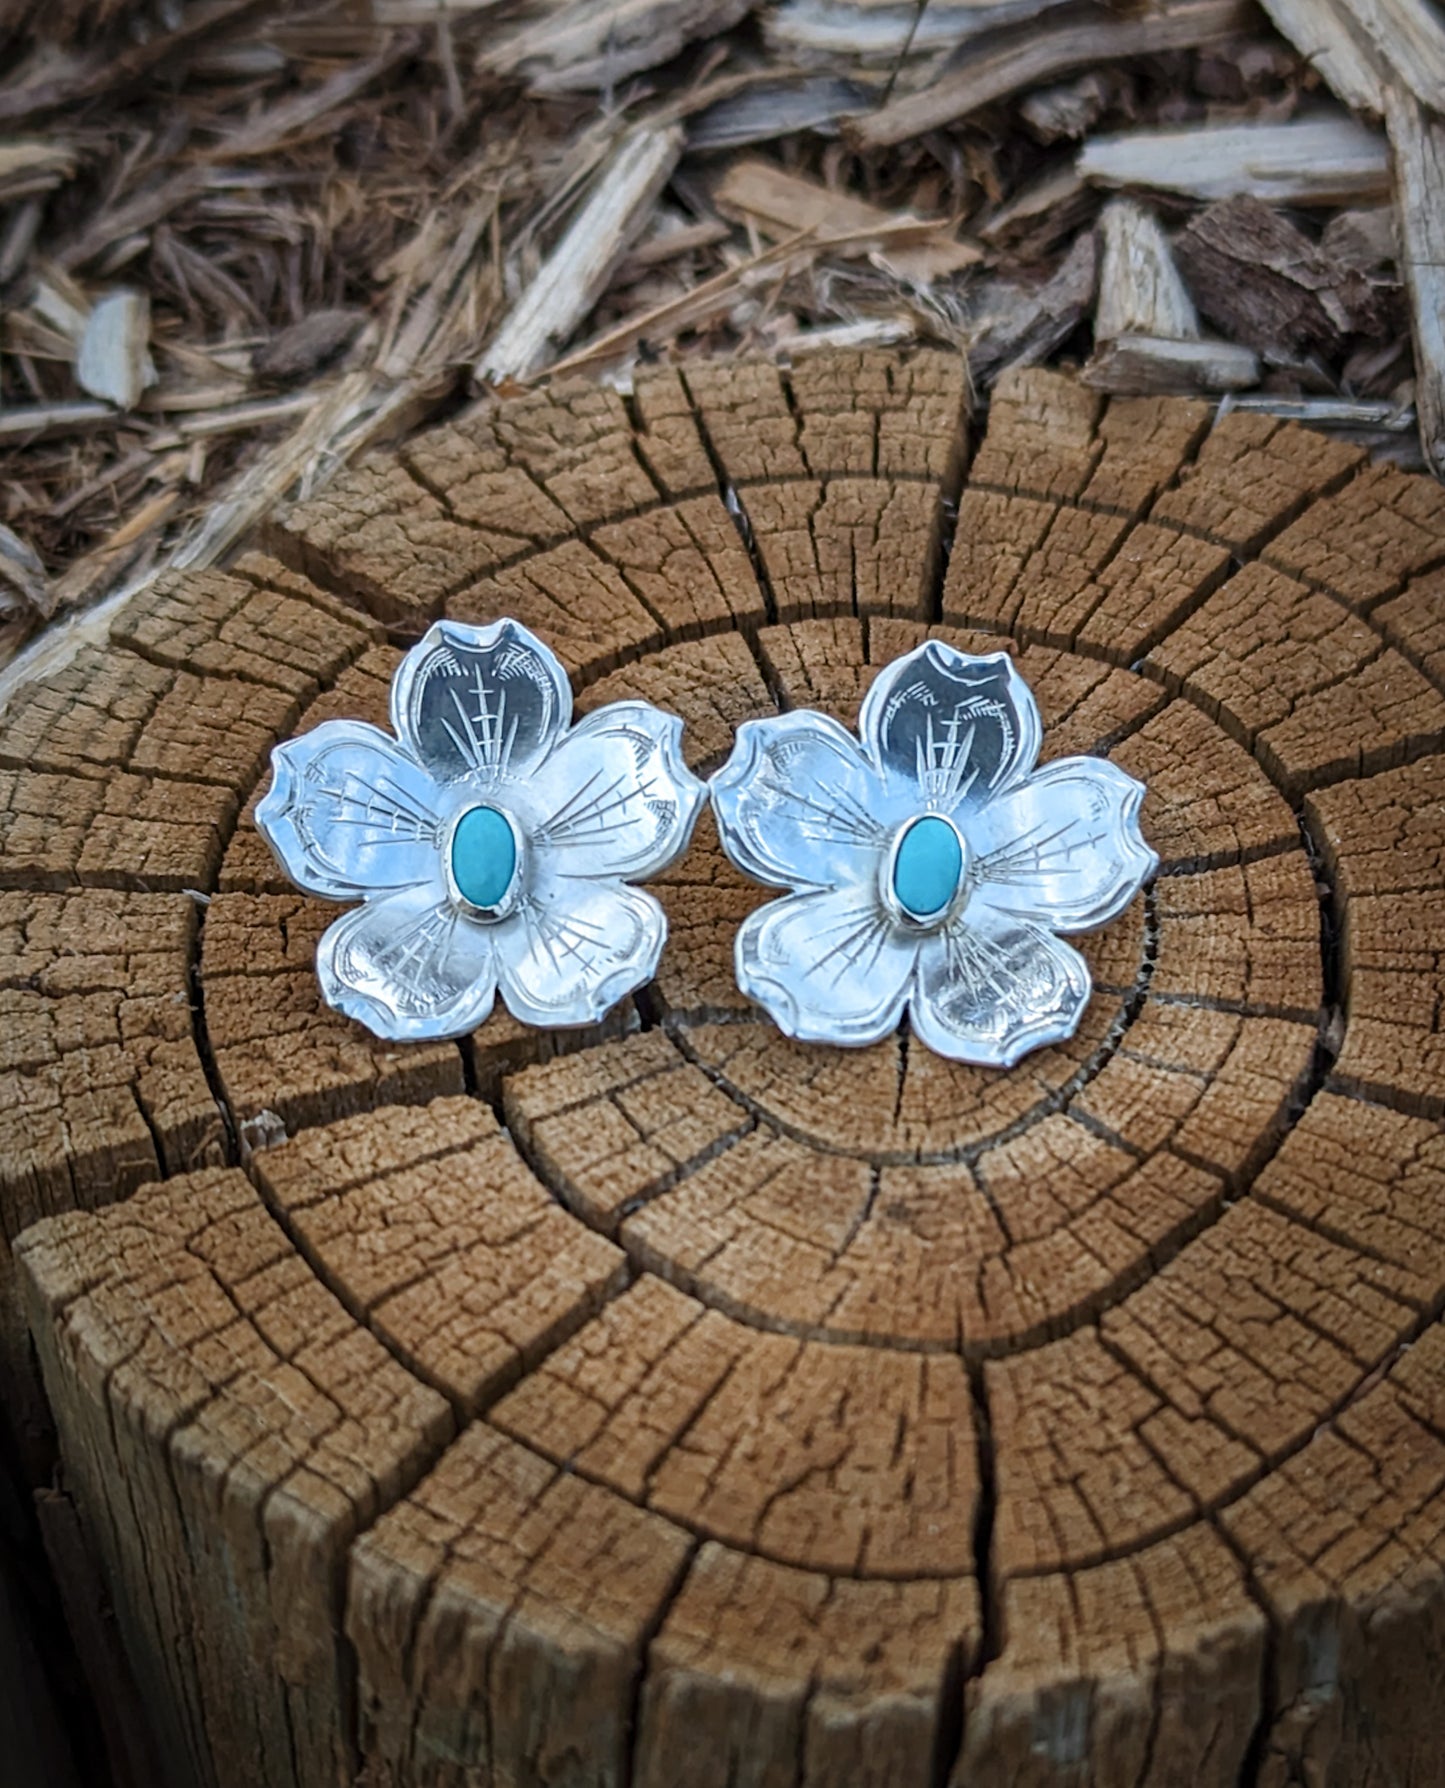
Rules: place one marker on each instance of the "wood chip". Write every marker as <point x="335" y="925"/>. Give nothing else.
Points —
<point x="1143" y="365"/>
<point x="114" y="359"/>
<point x="33" y="165"/>
<point x="1390" y="58"/>
<point x="34" y="422"/>
<point x="1366" y="239"/>
<point x="1418" y="139"/>
<point x="584" y="45"/>
<point x="1363" y="47"/>
<point x="1146" y="329"/>
<point x="1022" y="56"/>
<point x="1324" y="35"/>
<point x="1266" y="284"/>
<point x="23" y="583"/>
<point x="879" y="332"/>
<point x="1041" y="214"/>
<point x="137" y="536"/>
<point x="1070" y="109"/>
<point x="1140" y="291"/>
<point x="259" y="136"/>
<point x="305" y="347"/>
<point x="785" y="204"/>
<point x="578" y="268"/>
<point x="46" y="83"/>
<point x="1329" y="159"/>
<point x="884" y="32"/>
<point x="670" y="245"/>
<point x="767" y="109"/>
<point x="1016" y="326"/>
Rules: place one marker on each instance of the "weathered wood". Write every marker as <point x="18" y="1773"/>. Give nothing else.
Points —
<point x="1320" y="160"/>
<point x="1390" y="60"/>
<point x="1146" y="329"/>
<point x="1017" y="56"/>
<point x="1253" y="273"/>
<point x="1417" y="138"/>
<point x="673" y="1402"/>
<point x="578" y="269"/>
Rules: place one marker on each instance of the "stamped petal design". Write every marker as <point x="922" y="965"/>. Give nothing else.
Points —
<point x="410" y="965"/>
<point x="990" y="987"/>
<point x="1064" y="846"/>
<point x="615" y="798"/>
<point x="349" y="813"/>
<point x="826" y="967"/>
<point x="575" y="948"/>
<point x="800" y="806"/>
<point x="957" y="730"/>
<point x="487" y="702"/>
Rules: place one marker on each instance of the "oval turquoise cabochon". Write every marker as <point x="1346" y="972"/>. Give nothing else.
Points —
<point x="927" y="866"/>
<point x="484" y="856"/>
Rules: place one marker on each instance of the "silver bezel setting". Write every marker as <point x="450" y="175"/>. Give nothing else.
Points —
<point x="905" y="916"/>
<point x="508" y="903"/>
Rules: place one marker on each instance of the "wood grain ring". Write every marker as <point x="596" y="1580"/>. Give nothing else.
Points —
<point x="680" y="1403"/>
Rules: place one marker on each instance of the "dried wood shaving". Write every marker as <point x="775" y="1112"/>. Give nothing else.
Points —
<point x="1325" y="160"/>
<point x="241" y="240"/>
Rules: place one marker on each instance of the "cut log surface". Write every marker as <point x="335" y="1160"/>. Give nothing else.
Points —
<point x="675" y="1403"/>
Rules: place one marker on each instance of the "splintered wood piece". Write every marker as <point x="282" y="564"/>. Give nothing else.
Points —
<point x="1147" y="363"/>
<point x="786" y="204"/>
<point x="1320" y="160"/>
<point x="1017" y="56"/>
<point x="582" y="45"/>
<point x="1019" y="325"/>
<point x="669" y="1401"/>
<point x="1390" y="60"/>
<point x="1140" y="291"/>
<point x="1146" y="330"/>
<point x="23" y="582"/>
<point x="883" y="33"/>
<point x="1324" y="33"/>
<point x="1253" y="273"/>
<point x="578" y="268"/>
<point x="1363" y="47"/>
<point x="113" y="360"/>
<point x="1417" y="138"/>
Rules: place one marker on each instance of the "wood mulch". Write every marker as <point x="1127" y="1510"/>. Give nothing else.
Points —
<point x="240" y="242"/>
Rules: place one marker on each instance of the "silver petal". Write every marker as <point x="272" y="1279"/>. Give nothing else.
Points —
<point x="799" y="805"/>
<point x="349" y="813"/>
<point x="955" y="729"/>
<point x="575" y="948"/>
<point x="615" y="798"/>
<point x="483" y="702"/>
<point x="410" y="966"/>
<point x="827" y="967"/>
<point x="991" y="987"/>
<point x="1063" y="846"/>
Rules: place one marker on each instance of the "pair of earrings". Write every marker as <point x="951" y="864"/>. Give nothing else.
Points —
<point x="494" y="845"/>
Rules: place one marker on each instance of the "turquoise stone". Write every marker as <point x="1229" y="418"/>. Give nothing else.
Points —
<point x="484" y="856"/>
<point x="927" y="866"/>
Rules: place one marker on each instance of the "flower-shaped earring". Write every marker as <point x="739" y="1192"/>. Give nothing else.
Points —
<point x="490" y="842"/>
<point x="932" y="864"/>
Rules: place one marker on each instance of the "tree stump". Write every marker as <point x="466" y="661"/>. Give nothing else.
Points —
<point x="674" y="1403"/>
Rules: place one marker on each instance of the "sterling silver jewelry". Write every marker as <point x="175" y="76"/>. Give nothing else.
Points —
<point x="931" y="864"/>
<point x="490" y="843"/>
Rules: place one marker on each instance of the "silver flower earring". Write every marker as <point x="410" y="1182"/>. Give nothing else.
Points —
<point x="931" y="863"/>
<point x="491" y="844"/>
